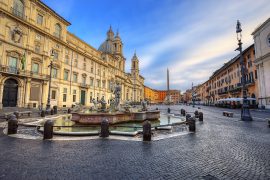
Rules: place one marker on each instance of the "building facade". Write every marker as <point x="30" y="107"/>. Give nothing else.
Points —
<point x="261" y="37"/>
<point x="29" y="32"/>
<point x="159" y="96"/>
<point x="226" y="81"/>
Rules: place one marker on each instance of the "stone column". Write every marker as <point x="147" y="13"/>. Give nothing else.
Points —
<point x="1" y="94"/>
<point x="27" y="92"/>
<point x="44" y="94"/>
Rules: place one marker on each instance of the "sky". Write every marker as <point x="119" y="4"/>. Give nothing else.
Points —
<point x="192" y="38"/>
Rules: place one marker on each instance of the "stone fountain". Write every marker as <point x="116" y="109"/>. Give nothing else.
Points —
<point x="116" y="113"/>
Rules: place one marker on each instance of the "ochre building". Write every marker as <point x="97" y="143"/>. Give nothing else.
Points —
<point x="29" y="32"/>
<point x="159" y="96"/>
<point x="226" y="81"/>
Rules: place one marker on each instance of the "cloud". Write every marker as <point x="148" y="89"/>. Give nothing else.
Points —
<point x="206" y="45"/>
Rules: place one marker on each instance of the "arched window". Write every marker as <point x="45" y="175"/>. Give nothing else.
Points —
<point x="58" y="29"/>
<point x="18" y="8"/>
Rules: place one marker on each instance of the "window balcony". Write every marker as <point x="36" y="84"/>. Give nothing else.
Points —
<point x="84" y="85"/>
<point x="23" y="73"/>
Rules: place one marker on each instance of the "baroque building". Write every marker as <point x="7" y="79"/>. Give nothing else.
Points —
<point x="29" y="32"/>
<point x="261" y="37"/>
<point x="226" y="81"/>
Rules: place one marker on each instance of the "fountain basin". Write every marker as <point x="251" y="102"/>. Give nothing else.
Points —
<point x="114" y="118"/>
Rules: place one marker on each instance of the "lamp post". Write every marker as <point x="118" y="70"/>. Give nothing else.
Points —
<point x="245" y="114"/>
<point x="193" y="100"/>
<point x="48" y="106"/>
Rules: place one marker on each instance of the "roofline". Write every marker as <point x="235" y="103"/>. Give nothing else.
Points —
<point x="230" y="62"/>
<point x="260" y="26"/>
<point x="50" y="9"/>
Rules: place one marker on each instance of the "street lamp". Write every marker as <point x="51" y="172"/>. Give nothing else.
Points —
<point x="245" y="114"/>
<point x="193" y="100"/>
<point x="48" y="106"/>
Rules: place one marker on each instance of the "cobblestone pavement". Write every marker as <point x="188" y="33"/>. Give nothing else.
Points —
<point x="222" y="148"/>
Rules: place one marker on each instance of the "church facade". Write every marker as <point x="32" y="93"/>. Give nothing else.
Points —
<point x="32" y="35"/>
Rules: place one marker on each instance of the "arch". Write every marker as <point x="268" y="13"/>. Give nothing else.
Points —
<point x="10" y="93"/>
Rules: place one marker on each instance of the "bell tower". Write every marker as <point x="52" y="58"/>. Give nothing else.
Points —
<point x="135" y="66"/>
<point x="118" y="45"/>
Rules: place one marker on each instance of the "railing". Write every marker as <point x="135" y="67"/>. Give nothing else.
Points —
<point x="84" y="85"/>
<point x="18" y="13"/>
<point x="19" y="72"/>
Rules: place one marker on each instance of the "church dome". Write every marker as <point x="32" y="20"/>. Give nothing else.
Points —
<point x="107" y="46"/>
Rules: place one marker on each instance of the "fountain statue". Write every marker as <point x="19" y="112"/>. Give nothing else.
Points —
<point x="117" y="95"/>
<point x="144" y="105"/>
<point x="95" y="103"/>
<point x="115" y="115"/>
<point x="103" y="104"/>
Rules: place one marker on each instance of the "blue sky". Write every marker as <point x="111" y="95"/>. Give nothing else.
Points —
<point x="191" y="37"/>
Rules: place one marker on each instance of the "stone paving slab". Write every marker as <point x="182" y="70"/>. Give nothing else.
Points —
<point x="222" y="148"/>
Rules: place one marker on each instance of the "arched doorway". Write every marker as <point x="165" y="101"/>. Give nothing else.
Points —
<point x="10" y="93"/>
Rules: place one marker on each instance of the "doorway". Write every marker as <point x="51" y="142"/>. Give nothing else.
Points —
<point x="10" y="93"/>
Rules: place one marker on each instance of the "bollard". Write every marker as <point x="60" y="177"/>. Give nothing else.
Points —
<point x="52" y="111"/>
<point x="48" y="130"/>
<point x="169" y="110"/>
<point x="181" y="112"/>
<point x="42" y="113"/>
<point x="12" y="125"/>
<point x="69" y="110"/>
<point x="104" y="129"/>
<point x="147" y="133"/>
<point x="184" y="112"/>
<point x="187" y="117"/>
<point x="269" y="123"/>
<point x="17" y="114"/>
<point x="55" y="109"/>
<point x="196" y="113"/>
<point x="200" y="116"/>
<point x="192" y="124"/>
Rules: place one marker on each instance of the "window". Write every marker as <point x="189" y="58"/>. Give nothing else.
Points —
<point x="74" y="95"/>
<point x="18" y="8"/>
<point x="91" y="81"/>
<point x="268" y="40"/>
<point x="75" y="63"/>
<point x="256" y="76"/>
<point x="75" y="77"/>
<point x="39" y="19"/>
<point x="104" y="84"/>
<point x="53" y="94"/>
<point x="55" y="57"/>
<point x="12" y="64"/>
<point x="57" y="31"/>
<point x="67" y="60"/>
<point x="64" y="94"/>
<point x="98" y="83"/>
<point x="35" y="68"/>
<point x="84" y="80"/>
<point x="54" y="73"/>
<point x="66" y="75"/>
<point x="92" y="69"/>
